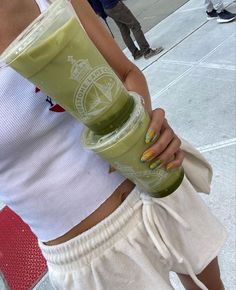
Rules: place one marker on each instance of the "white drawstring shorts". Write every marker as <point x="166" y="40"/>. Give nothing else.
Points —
<point x="137" y="246"/>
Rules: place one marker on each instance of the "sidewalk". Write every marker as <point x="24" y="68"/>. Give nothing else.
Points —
<point x="194" y="80"/>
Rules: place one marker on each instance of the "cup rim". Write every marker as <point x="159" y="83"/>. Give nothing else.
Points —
<point x="105" y="141"/>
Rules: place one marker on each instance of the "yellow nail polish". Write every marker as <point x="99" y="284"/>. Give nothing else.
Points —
<point x="147" y="155"/>
<point x="149" y="136"/>
<point x="155" y="164"/>
<point x="169" y="166"/>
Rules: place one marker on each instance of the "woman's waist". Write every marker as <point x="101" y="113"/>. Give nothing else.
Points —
<point x="56" y="193"/>
<point x="104" y="210"/>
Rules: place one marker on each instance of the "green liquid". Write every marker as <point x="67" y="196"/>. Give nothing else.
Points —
<point x="124" y="154"/>
<point x="117" y="119"/>
<point x="68" y="67"/>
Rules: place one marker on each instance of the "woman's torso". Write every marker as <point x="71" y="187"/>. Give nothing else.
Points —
<point x="45" y="175"/>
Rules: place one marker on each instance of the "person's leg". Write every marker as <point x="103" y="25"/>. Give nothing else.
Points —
<point x="208" y="5"/>
<point x="125" y="33"/>
<point x="215" y="9"/>
<point x="218" y="5"/>
<point x="210" y="11"/>
<point x="210" y="276"/>
<point x="214" y="4"/>
<point x="120" y="13"/>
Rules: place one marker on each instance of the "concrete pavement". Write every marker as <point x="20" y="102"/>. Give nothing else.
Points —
<point x="194" y="80"/>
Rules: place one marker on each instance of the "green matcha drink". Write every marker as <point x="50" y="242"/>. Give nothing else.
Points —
<point x="123" y="149"/>
<point x="56" y="54"/>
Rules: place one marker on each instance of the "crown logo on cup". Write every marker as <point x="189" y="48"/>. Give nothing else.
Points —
<point x="80" y="68"/>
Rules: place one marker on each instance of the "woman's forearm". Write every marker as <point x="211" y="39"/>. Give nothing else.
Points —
<point x="136" y="82"/>
<point x="168" y="144"/>
<point x="130" y="75"/>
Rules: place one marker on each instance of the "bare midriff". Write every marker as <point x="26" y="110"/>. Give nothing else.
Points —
<point x="103" y="211"/>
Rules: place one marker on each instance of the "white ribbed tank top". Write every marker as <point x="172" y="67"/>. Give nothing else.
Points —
<point x="45" y="175"/>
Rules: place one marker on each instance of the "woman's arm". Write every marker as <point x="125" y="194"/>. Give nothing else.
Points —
<point x="129" y="74"/>
<point x="168" y="144"/>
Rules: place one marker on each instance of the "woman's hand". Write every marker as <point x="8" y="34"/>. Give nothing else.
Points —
<point x="165" y="150"/>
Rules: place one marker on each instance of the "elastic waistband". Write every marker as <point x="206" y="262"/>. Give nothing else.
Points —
<point x="80" y="250"/>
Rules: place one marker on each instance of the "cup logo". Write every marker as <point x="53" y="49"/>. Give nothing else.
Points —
<point x="96" y="90"/>
<point x="150" y="177"/>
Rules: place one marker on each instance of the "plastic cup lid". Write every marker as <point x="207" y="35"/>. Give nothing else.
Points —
<point x="97" y="142"/>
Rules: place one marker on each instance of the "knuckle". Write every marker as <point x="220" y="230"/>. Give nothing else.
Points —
<point x="160" y="111"/>
<point x="161" y="146"/>
<point x="180" y="157"/>
<point x="180" y="153"/>
<point x="178" y="163"/>
<point x="178" y="141"/>
<point x="170" y="131"/>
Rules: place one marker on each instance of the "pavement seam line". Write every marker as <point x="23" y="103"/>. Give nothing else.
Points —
<point x="217" y="145"/>
<point x="173" y="46"/>
<point x="193" y="65"/>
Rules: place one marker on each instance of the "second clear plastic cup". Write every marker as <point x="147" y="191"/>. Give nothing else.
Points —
<point x="123" y="149"/>
<point x="55" y="53"/>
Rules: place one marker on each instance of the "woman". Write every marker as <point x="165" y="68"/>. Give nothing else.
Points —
<point x="95" y="229"/>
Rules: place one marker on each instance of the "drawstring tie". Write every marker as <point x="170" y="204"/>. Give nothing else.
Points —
<point x="158" y="235"/>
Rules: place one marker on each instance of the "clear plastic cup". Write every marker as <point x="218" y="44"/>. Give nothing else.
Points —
<point x="55" y="53"/>
<point x="123" y="149"/>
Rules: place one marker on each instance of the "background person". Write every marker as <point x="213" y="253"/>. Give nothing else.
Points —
<point x="126" y="23"/>
<point x="215" y="10"/>
<point x="98" y="8"/>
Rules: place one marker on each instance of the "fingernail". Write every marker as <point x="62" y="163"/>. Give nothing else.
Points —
<point x="150" y="136"/>
<point x="147" y="155"/>
<point x="169" y="166"/>
<point x="155" y="137"/>
<point x="155" y="164"/>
